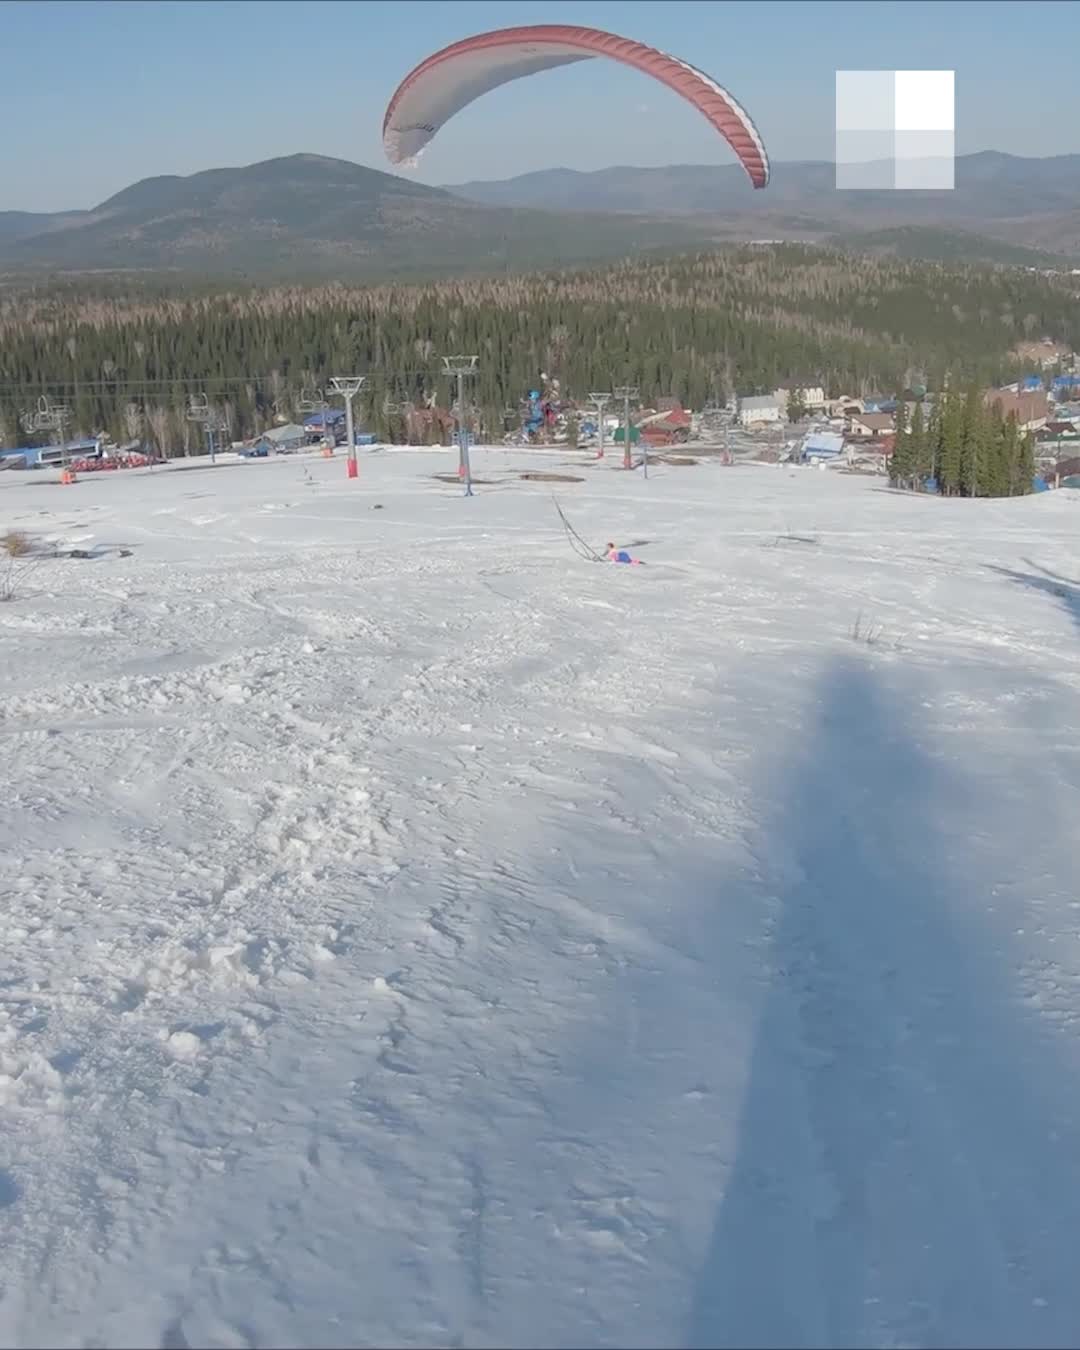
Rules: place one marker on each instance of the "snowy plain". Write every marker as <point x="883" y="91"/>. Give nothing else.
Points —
<point x="413" y="934"/>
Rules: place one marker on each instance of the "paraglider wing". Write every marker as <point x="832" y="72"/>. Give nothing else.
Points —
<point x="453" y="78"/>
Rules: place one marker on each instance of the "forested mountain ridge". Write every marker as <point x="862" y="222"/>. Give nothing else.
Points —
<point x="311" y="217"/>
<point x="1026" y="201"/>
<point x="701" y="326"/>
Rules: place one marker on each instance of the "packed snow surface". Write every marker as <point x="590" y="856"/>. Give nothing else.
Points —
<point x="415" y="934"/>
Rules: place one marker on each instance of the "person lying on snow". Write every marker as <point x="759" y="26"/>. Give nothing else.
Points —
<point x="620" y="555"/>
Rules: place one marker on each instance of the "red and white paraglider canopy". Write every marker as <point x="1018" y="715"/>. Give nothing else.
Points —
<point x="451" y="79"/>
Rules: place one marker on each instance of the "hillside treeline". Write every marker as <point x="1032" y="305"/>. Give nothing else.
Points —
<point x="699" y="327"/>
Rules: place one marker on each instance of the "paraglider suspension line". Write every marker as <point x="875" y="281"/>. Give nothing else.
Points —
<point x="580" y="547"/>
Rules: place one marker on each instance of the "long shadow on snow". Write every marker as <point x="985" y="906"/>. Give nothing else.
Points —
<point x="1050" y="583"/>
<point x="908" y="1165"/>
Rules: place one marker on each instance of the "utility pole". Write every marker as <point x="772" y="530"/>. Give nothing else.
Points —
<point x="600" y="402"/>
<point x="199" y="410"/>
<point x="461" y="367"/>
<point x="626" y="392"/>
<point x="348" y="386"/>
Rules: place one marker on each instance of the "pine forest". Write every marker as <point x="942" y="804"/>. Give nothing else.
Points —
<point x="125" y="355"/>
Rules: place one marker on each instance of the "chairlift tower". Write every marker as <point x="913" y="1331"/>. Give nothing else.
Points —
<point x="627" y="393"/>
<point x="600" y="402"/>
<point x="460" y="368"/>
<point x="348" y="386"/>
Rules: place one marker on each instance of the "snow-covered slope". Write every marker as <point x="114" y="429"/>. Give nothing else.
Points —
<point x="415" y="935"/>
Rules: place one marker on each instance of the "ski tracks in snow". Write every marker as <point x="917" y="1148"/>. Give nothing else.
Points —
<point x="225" y="843"/>
<point x="481" y="949"/>
<point x="236" y="829"/>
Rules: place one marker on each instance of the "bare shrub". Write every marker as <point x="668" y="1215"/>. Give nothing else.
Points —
<point x="18" y="558"/>
<point x="15" y="544"/>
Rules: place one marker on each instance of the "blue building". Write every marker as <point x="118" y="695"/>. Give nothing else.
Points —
<point x="821" y="445"/>
<point x="325" y="424"/>
<point x="50" y="456"/>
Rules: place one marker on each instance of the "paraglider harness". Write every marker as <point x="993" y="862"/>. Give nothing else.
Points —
<point x="620" y="555"/>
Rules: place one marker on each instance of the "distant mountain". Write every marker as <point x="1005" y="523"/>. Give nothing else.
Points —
<point x="933" y="244"/>
<point x="678" y="189"/>
<point x="1028" y="202"/>
<point x="20" y="224"/>
<point x="308" y="216"/>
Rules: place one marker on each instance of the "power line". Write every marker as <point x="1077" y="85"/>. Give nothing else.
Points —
<point x="109" y="386"/>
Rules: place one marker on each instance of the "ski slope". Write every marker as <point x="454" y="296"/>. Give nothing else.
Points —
<point x="415" y="935"/>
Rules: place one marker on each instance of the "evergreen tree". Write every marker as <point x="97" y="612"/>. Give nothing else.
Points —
<point x="1025" y="465"/>
<point x="994" y="469"/>
<point x="972" y="442"/>
<point x="1011" y="456"/>
<point x="951" y="443"/>
<point x="796" y="408"/>
<point x="918" y="451"/>
<point x="932" y="446"/>
<point x="901" y="462"/>
<point x="900" y="415"/>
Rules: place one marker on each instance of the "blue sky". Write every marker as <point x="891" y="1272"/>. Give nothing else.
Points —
<point x="101" y="93"/>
